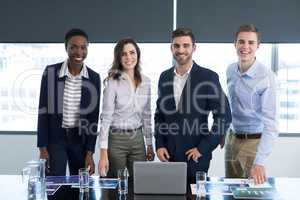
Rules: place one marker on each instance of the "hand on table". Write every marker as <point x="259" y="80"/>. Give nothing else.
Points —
<point x="258" y="173"/>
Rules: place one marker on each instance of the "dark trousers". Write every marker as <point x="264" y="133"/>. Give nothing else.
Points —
<point x="69" y="149"/>
<point x="192" y="167"/>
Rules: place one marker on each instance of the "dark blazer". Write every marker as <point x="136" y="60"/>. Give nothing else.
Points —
<point x="186" y="128"/>
<point x="51" y="108"/>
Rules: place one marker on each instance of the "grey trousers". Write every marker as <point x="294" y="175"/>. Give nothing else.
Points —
<point x="123" y="149"/>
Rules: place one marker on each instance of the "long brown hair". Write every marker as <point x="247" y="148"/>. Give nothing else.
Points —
<point x="116" y="69"/>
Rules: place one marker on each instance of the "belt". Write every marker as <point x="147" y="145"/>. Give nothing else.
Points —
<point x="71" y="130"/>
<point x="114" y="129"/>
<point x="248" y="135"/>
<point x="71" y="133"/>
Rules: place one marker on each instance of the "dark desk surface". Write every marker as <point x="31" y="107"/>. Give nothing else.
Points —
<point x="11" y="187"/>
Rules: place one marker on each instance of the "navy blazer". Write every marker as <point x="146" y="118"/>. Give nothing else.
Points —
<point x="184" y="128"/>
<point x="49" y="128"/>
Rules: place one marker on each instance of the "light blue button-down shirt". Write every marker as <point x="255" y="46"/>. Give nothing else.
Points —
<point x="253" y="101"/>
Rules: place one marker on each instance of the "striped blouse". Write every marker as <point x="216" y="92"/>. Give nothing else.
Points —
<point x="72" y="96"/>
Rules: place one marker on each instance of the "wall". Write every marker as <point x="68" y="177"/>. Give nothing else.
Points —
<point x="15" y="150"/>
<point x="282" y="162"/>
<point x="104" y="21"/>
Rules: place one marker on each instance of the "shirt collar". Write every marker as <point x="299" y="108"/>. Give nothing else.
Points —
<point x="185" y="74"/>
<point x="64" y="71"/>
<point x="124" y="76"/>
<point x="251" y="72"/>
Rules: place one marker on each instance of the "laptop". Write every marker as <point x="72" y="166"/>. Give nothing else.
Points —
<point x="159" y="177"/>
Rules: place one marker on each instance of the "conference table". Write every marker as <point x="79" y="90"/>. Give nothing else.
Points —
<point x="11" y="187"/>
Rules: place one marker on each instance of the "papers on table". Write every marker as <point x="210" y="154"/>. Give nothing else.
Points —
<point x="108" y="183"/>
<point x="216" y="188"/>
<point x="235" y="180"/>
<point x="62" y="180"/>
<point x="224" y="186"/>
<point x="51" y="189"/>
<point x="264" y="185"/>
<point x="54" y="182"/>
<point x="102" y="183"/>
<point x="94" y="182"/>
<point x="213" y="189"/>
<point x="254" y="193"/>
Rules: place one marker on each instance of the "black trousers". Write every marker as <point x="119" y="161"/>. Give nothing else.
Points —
<point x="69" y="149"/>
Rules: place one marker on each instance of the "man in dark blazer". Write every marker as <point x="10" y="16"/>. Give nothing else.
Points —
<point x="187" y="93"/>
<point x="69" y="110"/>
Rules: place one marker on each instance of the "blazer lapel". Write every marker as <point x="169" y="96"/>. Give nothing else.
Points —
<point x="186" y="95"/>
<point x="60" y="96"/>
<point x="169" y="87"/>
<point x="84" y="99"/>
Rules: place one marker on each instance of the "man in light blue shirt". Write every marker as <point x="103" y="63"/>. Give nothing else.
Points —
<point x="252" y="95"/>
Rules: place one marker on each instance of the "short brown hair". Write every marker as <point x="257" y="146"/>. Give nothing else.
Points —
<point x="248" y="28"/>
<point x="183" y="32"/>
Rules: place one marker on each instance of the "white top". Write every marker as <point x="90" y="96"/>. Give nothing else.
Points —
<point x="126" y="108"/>
<point x="178" y="84"/>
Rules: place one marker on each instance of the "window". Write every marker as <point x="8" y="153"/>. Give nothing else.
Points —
<point x="289" y="86"/>
<point x="22" y="65"/>
<point x="21" y="73"/>
<point x="289" y="116"/>
<point x="218" y="56"/>
<point x="288" y="104"/>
